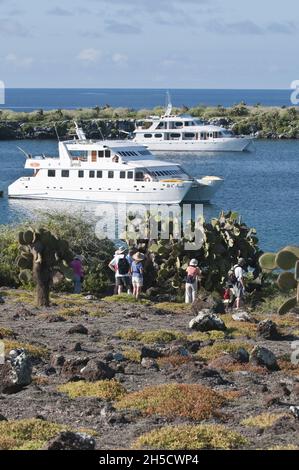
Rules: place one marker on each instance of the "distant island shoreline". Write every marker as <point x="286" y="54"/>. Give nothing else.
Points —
<point x="261" y="121"/>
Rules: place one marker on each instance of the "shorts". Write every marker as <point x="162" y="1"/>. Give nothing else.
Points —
<point x="238" y="291"/>
<point x="123" y="281"/>
<point x="137" y="281"/>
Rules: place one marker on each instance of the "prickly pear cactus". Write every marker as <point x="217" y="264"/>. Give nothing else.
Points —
<point x="287" y="260"/>
<point x="41" y="257"/>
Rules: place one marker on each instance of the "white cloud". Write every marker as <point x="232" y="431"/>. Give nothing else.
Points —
<point x="120" y="59"/>
<point x="19" y="61"/>
<point x="89" y="55"/>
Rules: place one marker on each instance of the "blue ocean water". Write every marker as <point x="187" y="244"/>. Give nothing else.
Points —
<point x="262" y="185"/>
<point x="28" y="99"/>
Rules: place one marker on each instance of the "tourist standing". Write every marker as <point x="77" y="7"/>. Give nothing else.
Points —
<point x="121" y="267"/>
<point x="78" y="273"/>
<point x="137" y="274"/>
<point x="192" y="281"/>
<point x="238" y="281"/>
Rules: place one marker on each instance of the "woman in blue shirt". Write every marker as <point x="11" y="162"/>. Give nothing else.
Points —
<point x="137" y="274"/>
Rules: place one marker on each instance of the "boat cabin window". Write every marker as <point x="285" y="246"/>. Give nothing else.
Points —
<point x="99" y="174"/>
<point x="130" y="175"/>
<point x="139" y="176"/>
<point x="175" y="136"/>
<point x="148" y="136"/>
<point x="107" y="154"/>
<point x="110" y="174"/>
<point x="162" y="125"/>
<point x="65" y="173"/>
<point x="122" y="174"/>
<point x="203" y="136"/>
<point x="94" y="156"/>
<point x="81" y="155"/>
<point x="80" y="174"/>
<point x="158" y="136"/>
<point x="51" y="173"/>
<point x="178" y="124"/>
<point x="91" y="174"/>
<point x="101" y="153"/>
<point x="189" y="135"/>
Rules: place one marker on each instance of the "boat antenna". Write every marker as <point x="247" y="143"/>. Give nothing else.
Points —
<point x="27" y="155"/>
<point x="99" y="128"/>
<point x="168" y="108"/>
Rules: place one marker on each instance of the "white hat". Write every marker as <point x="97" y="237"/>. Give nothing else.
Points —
<point x="79" y="257"/>
<point x="193" y="262"/>
<point x="138" y="256"/>
<point x="121" y="250"/>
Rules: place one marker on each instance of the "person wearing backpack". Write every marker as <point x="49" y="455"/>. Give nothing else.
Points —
<point x="121" y="266"/>
<point x="137" y="274"/>
<point x="193" y="276"/>
<point x="237" y="280"/>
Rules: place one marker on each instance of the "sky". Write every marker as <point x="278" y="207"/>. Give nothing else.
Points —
<point x="149" y="43"/>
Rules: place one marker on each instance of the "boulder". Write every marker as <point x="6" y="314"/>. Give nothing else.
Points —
<point x="78" y="329"/>
<point x="72" y="367"/>
<point x="2" y="418"/>
<point x="241" y="316"/>
<point x="267" y="329"/>
<point x="57" y="360"/>
<point x="149" y="363"/>
<point x="150" y="352"/>
<point x="96" y="370"/>
<point x="71" y="441"/>
<point x="16" y="372"/>
<point x="241" y="355"/>
<point x="207" y="301"/>
<point x="2" y="301"/>
<point x="263" y="357"/>
<point x="207" y="321"/>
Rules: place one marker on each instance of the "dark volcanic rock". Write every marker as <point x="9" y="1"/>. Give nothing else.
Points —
<point x="57" y="360"/>
<point x="2" y="418"/>
<point x="78" y="329"/>
<point x="97" y="370"/>
<point x="16" y="372"/>
<point x="241" y="355"/>
<point x="150" y="352"/>
<point x="267" y="329"/>
<point x="72" y="367"/>
<point x="71" y="441"/>
<point x="263" y="357"/>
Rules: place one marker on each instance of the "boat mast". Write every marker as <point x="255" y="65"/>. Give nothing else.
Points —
<point x="168" y="108"/>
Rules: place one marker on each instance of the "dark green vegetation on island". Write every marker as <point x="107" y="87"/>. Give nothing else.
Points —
<point x="264" y="122"/>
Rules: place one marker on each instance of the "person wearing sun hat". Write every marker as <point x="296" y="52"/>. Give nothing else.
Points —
<point x="137" y="273"/>
<point x="239" y="286"/>
<point x="121" y="267"/>
<point x="191" y="286"/>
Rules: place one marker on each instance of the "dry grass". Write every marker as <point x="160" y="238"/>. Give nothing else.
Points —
<point x="103" y="389"/>
<point x="148" y="337"/>
<point x="173" y="307"/>
<point x="219" y="348"/>
<point x="263" y="420"/>
<point x="203" y="436"/>
<point x="32" y="349"/>
<point x="174" y="400"/>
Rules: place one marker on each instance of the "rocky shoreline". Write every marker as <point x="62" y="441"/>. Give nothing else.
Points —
<point x="261" y="122"/>
<point x="141" y="350"/>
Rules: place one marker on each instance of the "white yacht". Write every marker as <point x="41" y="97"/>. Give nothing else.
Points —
<point x="109" y="171"/>
<point x="183" y="133"/>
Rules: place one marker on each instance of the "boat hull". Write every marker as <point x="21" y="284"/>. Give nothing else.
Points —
<point x="233" y="144"/>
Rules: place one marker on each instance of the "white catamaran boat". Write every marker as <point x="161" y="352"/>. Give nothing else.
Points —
<point x="183" y="133"/>
<point x="109" y="171"/>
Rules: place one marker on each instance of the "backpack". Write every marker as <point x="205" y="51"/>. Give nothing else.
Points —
<point x="123" y="266"/>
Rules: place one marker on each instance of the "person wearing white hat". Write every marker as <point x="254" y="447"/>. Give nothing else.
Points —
<point x="192" y="280"/>
<point x="137" y="274"/>
<point x="121" y="267"/>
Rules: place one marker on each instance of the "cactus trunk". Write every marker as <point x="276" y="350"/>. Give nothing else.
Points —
<point x="42" y="277"/>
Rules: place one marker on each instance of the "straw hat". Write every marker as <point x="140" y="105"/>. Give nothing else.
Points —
<point x="193" y="262"/>
<point x="138" y="256"/>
